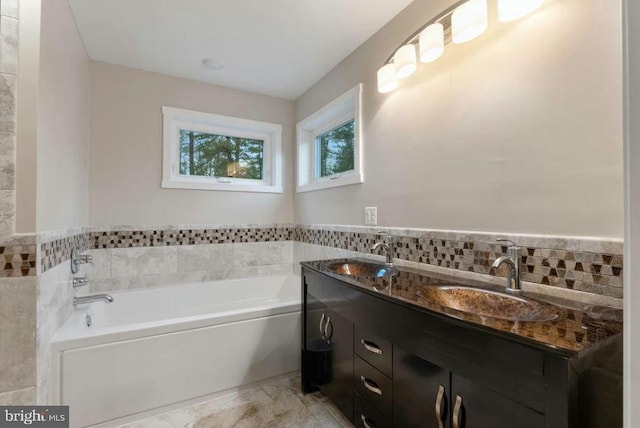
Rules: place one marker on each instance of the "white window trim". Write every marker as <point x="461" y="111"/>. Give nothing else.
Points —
<point x="175" y="119"/>
<point x="339" y="111"/>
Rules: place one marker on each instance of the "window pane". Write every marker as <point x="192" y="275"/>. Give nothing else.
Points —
<point x="335" y="151"/>
<point x="212" y="155"/>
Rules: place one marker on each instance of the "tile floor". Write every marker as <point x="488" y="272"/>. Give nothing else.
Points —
<point x="277" y="403"/>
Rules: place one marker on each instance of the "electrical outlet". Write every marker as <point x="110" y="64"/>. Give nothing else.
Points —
<point x="371" y="216"/>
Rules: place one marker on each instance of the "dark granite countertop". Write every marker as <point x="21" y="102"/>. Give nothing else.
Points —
<point x="577" y="329"/>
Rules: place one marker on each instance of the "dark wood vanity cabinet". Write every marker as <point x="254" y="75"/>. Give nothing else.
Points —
<point x="327" y="356"/>
<point x="422" y="392"/>
<point x="384" y="363"/>
<point x="476" y="406"/>
<point x="429" y="396"/>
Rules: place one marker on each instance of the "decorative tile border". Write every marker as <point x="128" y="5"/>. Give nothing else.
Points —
<point x="57" y="251"/>
<point x="55" y="248"/>
<point x="582" y="264"/>
<point x="589" y="271"/>
<point x="19" y="260"/>
<point x="168" y="237"/>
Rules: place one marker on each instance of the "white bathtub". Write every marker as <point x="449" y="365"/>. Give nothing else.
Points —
<point x="154" y="347"/>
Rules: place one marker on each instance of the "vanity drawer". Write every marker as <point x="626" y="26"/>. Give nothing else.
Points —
<point x="374" y="350"/>
<point x="373" y="386"/>
<point x="365" y="416"/>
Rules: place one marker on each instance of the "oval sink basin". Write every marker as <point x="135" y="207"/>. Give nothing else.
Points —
<point x="487" y="303"/>
<point x="361" y="269"/>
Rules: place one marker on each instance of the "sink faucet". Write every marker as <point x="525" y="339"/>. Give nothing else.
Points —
<point x="92" y="298"/>
<point x="512" y="260"/>
<point x="386" y="244"/>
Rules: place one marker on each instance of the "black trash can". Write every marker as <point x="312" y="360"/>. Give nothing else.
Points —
<point x="317" y="363"/>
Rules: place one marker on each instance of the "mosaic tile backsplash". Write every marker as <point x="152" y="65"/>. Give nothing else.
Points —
<point x="593" y="267"/>
<point x="57" y="251"/>
<point x="159" y="237"/>
<point x="593" y="272"/>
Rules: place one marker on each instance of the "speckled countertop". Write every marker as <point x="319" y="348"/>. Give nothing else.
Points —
<point x="576" y="328"/>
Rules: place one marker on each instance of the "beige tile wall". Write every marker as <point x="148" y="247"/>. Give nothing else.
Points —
<point x="17" y="295"/>
<point x="127" y="268"/>
<point x="17" y="335"/>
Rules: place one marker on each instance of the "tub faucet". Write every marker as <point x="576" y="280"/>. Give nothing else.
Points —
<point x="80" y="282"/>
<point x="386" y="244"/>
<point x="512" y="260"/>
<point x="92" y="298"/>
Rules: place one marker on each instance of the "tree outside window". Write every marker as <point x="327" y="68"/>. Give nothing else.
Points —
<point x="335" y="150"/>
<point x="212" y="155"/>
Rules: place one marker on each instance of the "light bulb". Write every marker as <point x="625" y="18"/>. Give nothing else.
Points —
<point x="509" y="10"/>
<point x="405" y="61"/>
<point x="387" y="78"/>
<point x="431" y="42"/>
<point x="468" y="21"/>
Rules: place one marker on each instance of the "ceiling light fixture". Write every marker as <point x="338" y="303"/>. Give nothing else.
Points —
<point x="404" y="61"/>
<point x="468" y="21"/>
<point x="387" y="81"/>
<point x="463" y="22"/>
<point x="212" y="64"/>
<point x="431" y="42"/>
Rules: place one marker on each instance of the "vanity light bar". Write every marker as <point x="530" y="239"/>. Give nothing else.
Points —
<point x="461" y="23"/>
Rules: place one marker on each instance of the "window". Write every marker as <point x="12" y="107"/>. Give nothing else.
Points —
<point x="335" y="150"/>
<point x="214" y="155"/>
<point x="330" y="145"/>
<point x="213" y="152"/>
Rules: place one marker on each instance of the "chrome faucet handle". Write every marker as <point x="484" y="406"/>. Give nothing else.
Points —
<point x="80" y="282"/>
<point x="513" y="250"/>
<point x="85" y="258"/>
<point x="78" y="259"/>
<point x="386" y="236"/>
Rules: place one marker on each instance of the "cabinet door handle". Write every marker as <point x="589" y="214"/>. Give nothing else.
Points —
<point x="365" y="422"/>
<point x="440" y="415"/>
<point x="456" y="412"/>
<point x="371" y="347"/>
<point x="322" y="325"/>
<point x="370" y="385"/>
<point x="328" y="336"/>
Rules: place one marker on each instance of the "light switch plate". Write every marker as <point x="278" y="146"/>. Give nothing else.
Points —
<point x="371" y="216"/>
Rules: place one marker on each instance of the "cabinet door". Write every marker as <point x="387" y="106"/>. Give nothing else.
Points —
<point x="475" y="406"/>
<point x="340" y="388"/>
<point x="315" y="349"/>
<point x="421" y="392"/>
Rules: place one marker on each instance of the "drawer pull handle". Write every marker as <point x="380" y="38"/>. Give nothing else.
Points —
<point x="371" y="385"/>
<point x="322" y="325"/>
<point x="365" y="422"/>
<point x="327" y="335"/>
<point x="441" y="415"/>
<point x="456" y="412"/>
<point x="371" y="347"/>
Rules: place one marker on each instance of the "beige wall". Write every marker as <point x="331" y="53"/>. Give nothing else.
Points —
<point x="28" y="80"/>
<point x="126" y="151"/>
<point x="63" y="120"/>
<point x="517" y="131"/>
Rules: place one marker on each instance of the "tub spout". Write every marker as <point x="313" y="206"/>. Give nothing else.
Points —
<point x="92" y="298"/>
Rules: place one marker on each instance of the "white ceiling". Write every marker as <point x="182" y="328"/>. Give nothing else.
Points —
<point x="274" y="47"/>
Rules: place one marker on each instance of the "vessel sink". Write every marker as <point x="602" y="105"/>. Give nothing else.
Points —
<point x="487" y="303"/>
<point x="361" y="269"/>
